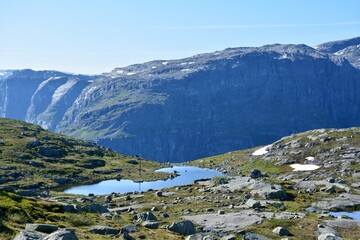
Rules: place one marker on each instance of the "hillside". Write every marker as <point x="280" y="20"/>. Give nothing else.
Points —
<point x="207" y="104"/>
<point x="34" y="158"/>
<point x="260" y="193"/>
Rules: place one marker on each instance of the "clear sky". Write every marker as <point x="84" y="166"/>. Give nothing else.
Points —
<point x="95" y="36"/>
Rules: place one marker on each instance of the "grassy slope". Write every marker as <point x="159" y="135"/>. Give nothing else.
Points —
<point x="18" y="211"/>
<point x="16" y="152"/>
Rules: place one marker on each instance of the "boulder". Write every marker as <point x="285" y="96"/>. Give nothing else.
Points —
<point x="29" y="193"/>
<point x="328" y="236"/>
<point x="197" y="236"/>
<point x="255" y="173"/>
<point x="150" y="224"/>
<point x="269" y="191"/>
<point x="252" y="203"/>
<point x="229" y="237"/>
<point x="52" y="151"/>
<point x="95" y="208"/>
<point x="103" y="230"/>
<point x="127" y="236"/>
<point x="254" y="236"/>
<point x="45" y="228"/>
<point x="184" y="227"/>
<point x="343" y="202"/>
<point x="25" y="235"/>
<point x="93" y="163"/>
<point x="63" y="234"/>
<point x="129" y="228"/>
<point x="281" y="231"/>
<point x="147" y="216"/>
<point x="33" y="142"/>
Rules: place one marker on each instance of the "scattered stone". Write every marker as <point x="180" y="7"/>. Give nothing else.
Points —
<point x="106" y="216"/>
<point x="127" y="236"/>
<point x="229" y="237"/>
<point x="64" y="234"/>
<point x="197" y="236"/>
<point x="25" y="235"/>
<point x="252" y="203"/>
<point x="116" y="216"/>
<point x="158" y="194"/>
<point x="255" y="174"/>
<point x="147" y="216"/>
<point x="150" y="224"/>
<point x="328" y="236"/>
<point x="108" y="198"/>
<point x="281" y="231"/>
<point x="254" y="236"/>
<point x="185" y="227"/>
<point x="129" y="228"/>
<point x="45" y="228"/>
<point x="221" y="212"/>
<point x="103" y="230"/>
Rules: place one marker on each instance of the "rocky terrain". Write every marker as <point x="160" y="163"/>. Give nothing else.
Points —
<point x="180" y="110"/>
<point x="260" y="197"/>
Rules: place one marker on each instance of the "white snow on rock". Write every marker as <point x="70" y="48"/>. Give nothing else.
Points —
<point x="304" y="167"/>
<point x="120" y="71"/>
<point x="62" y="90"/>
<point x="310" y="158"/>
<point x="164" y="63"/>
<point x="130" y="73"/>
<point x="261" y="151"/>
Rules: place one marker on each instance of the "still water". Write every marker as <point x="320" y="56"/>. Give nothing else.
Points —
<point x="187" y="176"/>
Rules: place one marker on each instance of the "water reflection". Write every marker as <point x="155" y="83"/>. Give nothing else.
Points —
<point x="187" y="175"/>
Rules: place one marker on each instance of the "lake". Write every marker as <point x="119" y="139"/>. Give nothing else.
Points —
<point x="187" y="176"/>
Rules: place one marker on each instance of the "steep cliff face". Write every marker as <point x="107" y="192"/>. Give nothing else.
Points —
<point x="190" y="108"/>
<point x="40" y="97"/>
<point x="186" y="109"/>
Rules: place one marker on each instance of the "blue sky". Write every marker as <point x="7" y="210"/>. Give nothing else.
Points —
<point x="88" y="36"/>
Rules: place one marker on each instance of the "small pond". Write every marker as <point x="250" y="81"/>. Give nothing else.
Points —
<point x="354" y="215"/>
<point x="187" y="176"/>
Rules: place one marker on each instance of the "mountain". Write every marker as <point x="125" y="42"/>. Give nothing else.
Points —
<point x="349" y="49"/>
<point x="180" y="110"/>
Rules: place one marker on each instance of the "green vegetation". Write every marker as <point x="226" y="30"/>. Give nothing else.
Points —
<point x="32" y="157"/>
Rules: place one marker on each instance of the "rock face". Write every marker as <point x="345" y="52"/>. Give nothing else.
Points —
<point x="63" y="234"/>
<point x="204" y="105"/>
<point x="184" y="228"/>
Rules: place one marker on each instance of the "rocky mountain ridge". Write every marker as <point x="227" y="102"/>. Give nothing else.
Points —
<point x="179" y="110"/>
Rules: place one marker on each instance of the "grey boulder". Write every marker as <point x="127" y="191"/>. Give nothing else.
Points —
<point x="184" y="227"/>
<point x="103" y="230"/>
<point x="63" y="234"/>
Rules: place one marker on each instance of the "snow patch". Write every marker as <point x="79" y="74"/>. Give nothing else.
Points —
<point x="310" y="158"/>
<point x="130" y="73"/>
<point x="164" y="63"/>
<point x="120" y="71"/>
<point x="185" y="70"/>
<point x="304" y="167"/>
<point x="261" y="151"/>
<point x="62" y="90"/>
